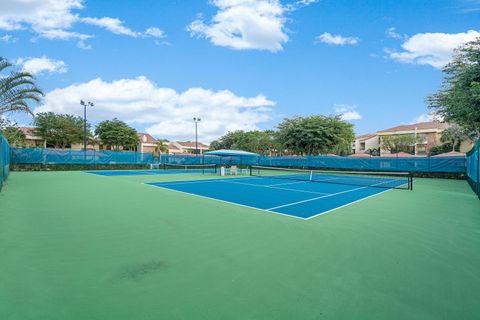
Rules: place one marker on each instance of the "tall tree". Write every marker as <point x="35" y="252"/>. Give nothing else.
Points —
<point x="216" y="145"/>
<point x="17" y="89"/>
<point x="117" y="134"/>
<point x="454" y="136"/>
<point x="59" y="130"/>
<point x="262" y="142"/>
<point x="458" y="101"/>
<point x="227" y="141"/>
<point x="12" y="133"/>
<point x="315" y="135"/>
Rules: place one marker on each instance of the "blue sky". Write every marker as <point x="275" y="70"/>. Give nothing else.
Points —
<point x="237" y="64"/>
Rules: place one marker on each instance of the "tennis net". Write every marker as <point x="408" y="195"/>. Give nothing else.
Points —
<point x="389" y="180"/>
<point x="194" y="168"/>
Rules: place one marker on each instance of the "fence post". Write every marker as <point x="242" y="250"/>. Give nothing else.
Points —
<point x="478" y="167"/>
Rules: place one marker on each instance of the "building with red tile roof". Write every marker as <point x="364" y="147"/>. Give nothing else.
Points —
<point x="189" y="146"/>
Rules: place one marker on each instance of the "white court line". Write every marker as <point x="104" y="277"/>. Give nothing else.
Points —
<point x="272" y="187"/>
<point x="302" y="181"/>
<point x="224" y="201"/>
<point x="284" y="184"/>
<point x="346" y="205"/>
<point x="326" y="196"/>
<point x="167" y="183"/>
<point x="172" y="183"/>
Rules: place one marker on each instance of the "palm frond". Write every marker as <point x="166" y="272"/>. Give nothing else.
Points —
<point x="17" y="89"/>
<point x="4" y="63"/>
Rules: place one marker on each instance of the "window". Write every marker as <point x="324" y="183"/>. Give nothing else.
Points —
<point x="422" y="137"/>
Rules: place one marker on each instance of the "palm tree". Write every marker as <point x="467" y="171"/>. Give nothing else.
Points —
<point x="454" y="135"/>
<point x="161" y="147"/>
<point x="16" y="89"/>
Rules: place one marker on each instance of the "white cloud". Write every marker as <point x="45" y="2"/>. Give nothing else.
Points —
<point x="8" y="38"/>
<point x="40" y="15"/>
<point x="116" y="26"/>
<point x="427" y="117"/>
<point x="299" y="4"/>
<point x="336" y="40"/>
<point x="82" y="45"/>
<point x="113" y="25"/>
<point x="41" y="65"/>
<point x="64" y="35"/>
<point x="54" y="19"/>
<point x="244" y="24"/>
<point x="347" y="112"/>
<point x="392" y="33"/>
<point x="164" y="112"/>
<point x="434" y="49"/>
<point x="155" y="33"/>
<point x="306" y="2"/>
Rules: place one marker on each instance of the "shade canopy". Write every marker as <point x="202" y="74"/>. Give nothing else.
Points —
<point x="225" y="152"/>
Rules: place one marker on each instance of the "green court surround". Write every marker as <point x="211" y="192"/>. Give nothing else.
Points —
<point x="80" y="246"/>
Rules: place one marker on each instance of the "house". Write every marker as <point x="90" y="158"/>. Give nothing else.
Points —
<point x="173" y="149"/>
<point x="365" y="142"/>
<point x="187" y="147"/>
<point x="147" y="143"/>
<point x="428" y="135"/>
<point x="31" y="139"/>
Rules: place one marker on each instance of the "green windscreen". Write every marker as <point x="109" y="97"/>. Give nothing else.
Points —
<point x="473" y="168"/>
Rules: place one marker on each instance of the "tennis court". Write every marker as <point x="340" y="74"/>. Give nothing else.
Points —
<point x="297" y="193"/>
<point x="84" y="246"/>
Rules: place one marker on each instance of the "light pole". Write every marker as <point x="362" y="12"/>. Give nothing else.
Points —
<point x="85" y="104"/>
<point x="196" y="120"/>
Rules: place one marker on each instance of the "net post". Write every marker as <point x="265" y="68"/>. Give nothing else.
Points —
<point x="410" y="180"/>
<point x="251" y="173"/>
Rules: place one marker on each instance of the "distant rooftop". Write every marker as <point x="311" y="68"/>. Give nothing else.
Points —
<point x="30" y="133"/>
<point x="172" y="146"/>
<point x="191" y="144"/>
<point x="364" y="137"/>
<point x="146" y="138"/>
<point x="419" y="126"/>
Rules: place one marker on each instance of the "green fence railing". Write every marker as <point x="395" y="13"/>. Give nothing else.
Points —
<point x="473" y="168"/>
<point x="57" y="156"/>
<point x="414" y="164"/>
<point x="4" y="160"/>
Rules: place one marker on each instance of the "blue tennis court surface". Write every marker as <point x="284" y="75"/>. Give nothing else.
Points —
<point x="113" y="173"/>
<point x="300" y="199"/>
